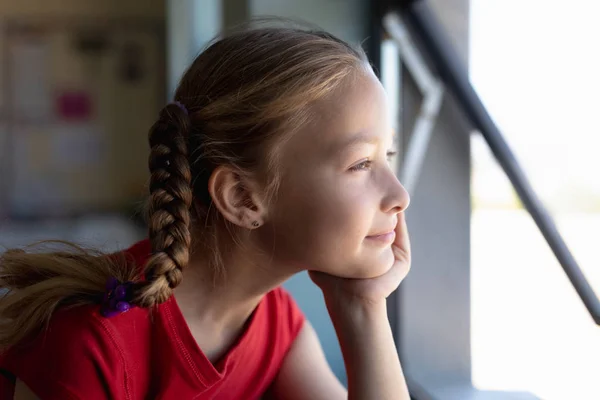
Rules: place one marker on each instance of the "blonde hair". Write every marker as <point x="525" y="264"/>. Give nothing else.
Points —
<point x="242" y="97"/>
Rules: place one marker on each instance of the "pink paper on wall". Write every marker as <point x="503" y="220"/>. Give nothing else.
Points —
<point x="74" y="106"/>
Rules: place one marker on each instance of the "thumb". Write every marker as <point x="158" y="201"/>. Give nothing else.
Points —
<point x="401" y="245"/>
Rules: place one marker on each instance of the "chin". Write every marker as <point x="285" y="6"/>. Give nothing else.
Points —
<point x="376" y="266"/>
<point x="365" y="265"/>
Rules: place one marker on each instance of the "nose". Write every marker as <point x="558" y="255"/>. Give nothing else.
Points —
<point x="396" y="198"/>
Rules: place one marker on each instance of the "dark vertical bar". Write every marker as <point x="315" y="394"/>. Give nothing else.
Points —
<point x="235" y="12"/>
<point x="424" y="25"/>
<point x="372" y="45"/>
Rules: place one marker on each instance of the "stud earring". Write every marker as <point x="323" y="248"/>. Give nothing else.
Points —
<point x="255" y="224"/>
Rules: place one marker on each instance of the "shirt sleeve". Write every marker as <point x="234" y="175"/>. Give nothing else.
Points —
<point x="74" y="359"/>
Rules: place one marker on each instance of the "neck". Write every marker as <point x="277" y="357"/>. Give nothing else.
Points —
<point x="217" y="305"/>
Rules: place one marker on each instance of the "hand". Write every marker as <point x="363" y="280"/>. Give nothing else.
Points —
<point x="373" y="290"/>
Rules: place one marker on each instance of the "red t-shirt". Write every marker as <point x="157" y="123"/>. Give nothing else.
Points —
<point x="150" y="355"/>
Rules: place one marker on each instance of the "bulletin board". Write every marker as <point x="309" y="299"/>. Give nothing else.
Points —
<point x="76" y="102"/>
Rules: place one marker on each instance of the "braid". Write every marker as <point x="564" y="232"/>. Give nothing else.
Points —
<point x="169" y="207"/>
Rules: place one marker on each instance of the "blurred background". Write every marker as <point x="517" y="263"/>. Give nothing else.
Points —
<point x="531" y="63"/>
<point x="487" y="312"/>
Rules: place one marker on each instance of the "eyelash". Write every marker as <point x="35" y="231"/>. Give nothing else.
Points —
<point x="365" y="165"/>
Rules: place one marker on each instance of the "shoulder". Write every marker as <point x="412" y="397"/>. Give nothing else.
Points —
<point x="138" y="253"/>
<point x="281" y="310"/>
<point x="79" y="353"/>
<point x="83" y="331"/>
<point x="282" y="299"/>
<point x="70" y="333"/>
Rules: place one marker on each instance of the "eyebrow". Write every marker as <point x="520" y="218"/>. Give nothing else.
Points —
<point x="356" y="139"/>
<point x="363" y="137"/>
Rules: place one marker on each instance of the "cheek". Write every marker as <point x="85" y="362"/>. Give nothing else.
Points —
<point x="322" y="225"/>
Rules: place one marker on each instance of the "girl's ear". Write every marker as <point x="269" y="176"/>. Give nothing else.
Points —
<point x="237" y="197"/>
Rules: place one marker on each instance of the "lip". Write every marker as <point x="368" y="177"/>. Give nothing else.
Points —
<point x="383" y="238"/>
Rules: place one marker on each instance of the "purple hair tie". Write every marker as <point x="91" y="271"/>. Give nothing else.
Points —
<point x="180" y="105"/>
<point x="117" y="298"/>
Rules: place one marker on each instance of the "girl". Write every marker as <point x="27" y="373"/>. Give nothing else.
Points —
<point x="272" y="160"/>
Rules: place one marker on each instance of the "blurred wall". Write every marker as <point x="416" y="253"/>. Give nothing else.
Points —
<point x="347" y="19"/>
<point x="191" y="25"/>
<point x="107" y="54"/>
<point x="149" y="9"/>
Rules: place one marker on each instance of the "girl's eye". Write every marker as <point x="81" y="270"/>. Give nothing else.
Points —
<point x="365" y="165"/>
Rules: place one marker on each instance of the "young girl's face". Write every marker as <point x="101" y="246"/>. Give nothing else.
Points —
<point x="338" y="201"/>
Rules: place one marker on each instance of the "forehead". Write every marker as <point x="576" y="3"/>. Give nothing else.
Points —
<point x="356" y="112"/>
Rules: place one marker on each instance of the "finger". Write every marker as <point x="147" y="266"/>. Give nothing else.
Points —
<point x="398" y="272"/>
<point x="402" y="241"/>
